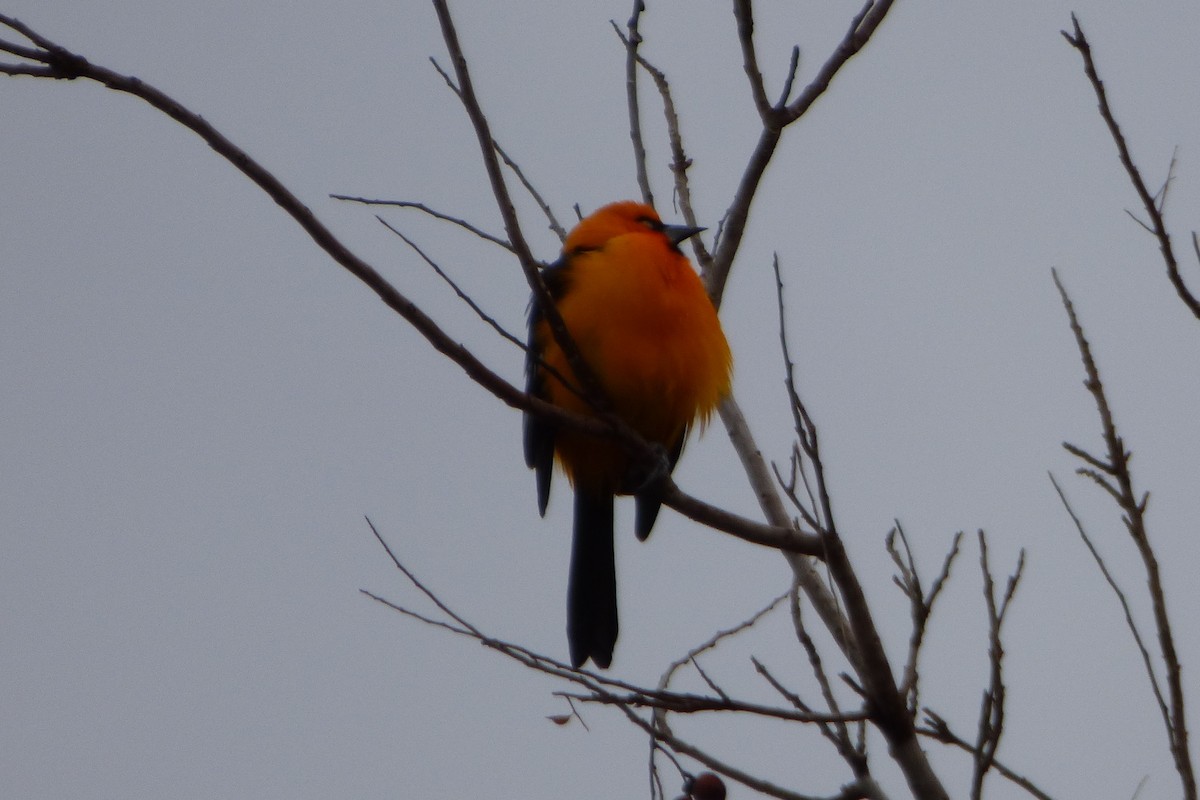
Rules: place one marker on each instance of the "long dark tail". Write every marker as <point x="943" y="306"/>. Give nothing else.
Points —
<point x="592" y="586"/>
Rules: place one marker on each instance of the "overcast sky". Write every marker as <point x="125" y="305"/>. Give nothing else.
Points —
<point x="198" y="407"/>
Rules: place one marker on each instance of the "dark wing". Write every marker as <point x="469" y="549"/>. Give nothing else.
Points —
<point x="647" y="501"/>
<point x="539" y="432"/>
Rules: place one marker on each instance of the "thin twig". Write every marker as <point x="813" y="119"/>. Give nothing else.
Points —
<point x="462" y="223"/>
<point x="862" y="27"/>
<point x="759" y="476"/>
<point x="718" y="637"/>
<point x="1133" y="507"/>
<point x="437" y="601"/>
<point x="464" y="87"/>
<point x="466" y="298"/>
<point x="583" y="372"/>
<point x="716" y="765"/>
<point x="1154" y="210"/>
<point x="937" y="728"/>
<point x="837" y="733"/>
<point x="660" y="717"/>
<point x="680" y="163"/>
<point x="509" y="162"/>
<point x="878" y="683"/>
<point x="479" y="312"/>
<point x="601" y="690"/>
<point x="744" y="15"/>
<point x="676" y="703"/>
<point x="1130" y="622"/>
<point x="551" y="218"/>
<point x="921" y="605"/>
<point x="819" y="517"/>
<point x="991" y="714"/>
<point x="631" y="42"/>
<point x="66" y="65"/>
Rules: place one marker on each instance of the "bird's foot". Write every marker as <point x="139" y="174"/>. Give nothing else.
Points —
<point x="648" y="471"/>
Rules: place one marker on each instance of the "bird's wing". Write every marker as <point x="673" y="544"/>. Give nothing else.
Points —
<point x="647" y="502"/>
<point x="539" y="432"/>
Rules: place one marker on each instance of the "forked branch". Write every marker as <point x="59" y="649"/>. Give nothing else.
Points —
<point x="1152" y="203"/>
<point x="1112" y="472"/>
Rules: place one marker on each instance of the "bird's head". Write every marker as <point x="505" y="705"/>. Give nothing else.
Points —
<point x="619" y="219"/>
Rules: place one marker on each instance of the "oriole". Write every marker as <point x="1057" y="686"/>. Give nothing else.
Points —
<point x="642" y="322"/>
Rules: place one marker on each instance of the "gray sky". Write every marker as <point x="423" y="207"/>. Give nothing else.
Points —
<point x="199" y="407"/>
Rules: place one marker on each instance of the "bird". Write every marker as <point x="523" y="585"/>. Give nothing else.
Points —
<point x="646" y="329"/>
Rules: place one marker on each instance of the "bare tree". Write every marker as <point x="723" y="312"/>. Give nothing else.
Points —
<point x="856" y="693"/>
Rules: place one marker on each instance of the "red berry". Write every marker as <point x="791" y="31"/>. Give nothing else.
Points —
<point x="708" y="786"/>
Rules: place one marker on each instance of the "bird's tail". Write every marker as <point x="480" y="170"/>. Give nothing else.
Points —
<point x="592" y="586"/>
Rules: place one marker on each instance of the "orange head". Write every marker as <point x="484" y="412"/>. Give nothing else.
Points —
<point x="617" y="219"/>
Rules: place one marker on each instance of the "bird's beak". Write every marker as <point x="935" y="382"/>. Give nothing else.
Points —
<point x="681" y="233"/>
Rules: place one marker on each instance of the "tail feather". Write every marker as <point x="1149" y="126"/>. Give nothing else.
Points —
<point x="592" y="586"/>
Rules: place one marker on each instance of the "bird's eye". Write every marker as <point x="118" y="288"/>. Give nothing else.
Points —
<point x="650" y="223"/>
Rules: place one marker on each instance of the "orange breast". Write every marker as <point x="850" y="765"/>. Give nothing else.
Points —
<point x="644" y="324"/>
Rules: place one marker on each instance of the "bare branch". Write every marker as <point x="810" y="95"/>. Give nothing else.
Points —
<point x="936" y="728"/>
<point x="584" y="374"/>
<point x="483" y="132"/>
<point x="1125" y="607"/>
<point x="676" y="703"/>
<point x="921" y="606"/>
<point x="717" y="638"/>
<point x="1160" y="197"/>
<point x="793" y="698"/>
<point x="28" y="69"/>
<point x="463" y="624"/>
<point x="660" y="722"/>
<point x="798" y="471"/>
<point x="862" y="27"/>
<point x="1083" y="455"/>
<point x="773" y="509"/>
<point x="462" y="223"/>
<point x="744" y="14"/>
<point x="712" y="684"/>
<point x="679" y="160"/>
<point x="551" y="219"/>
<point x="600" y="686"/>
<point x="548" y="212"/>
<point x="821" y="516"/>
<point x="790" y="80"/>
<point x="752" y="461"/>
<point x="631" y="43"/>
<point x="788" y="540"/>
<point x="837" y="733"/>
<point x="1157" y="225"/>
<point x="1133" y="507"/>
<point x="479" y="312"/>
<point x="890" y="712"/>
<point x="67" y="65"/>
<point x="741" y="776"/>
<point x="991" y="713"/>
<point x="437" y="623"/>
<point x="601" y="690"/>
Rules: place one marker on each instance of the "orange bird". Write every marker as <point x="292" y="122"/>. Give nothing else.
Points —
<point x="647" y="330"/>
